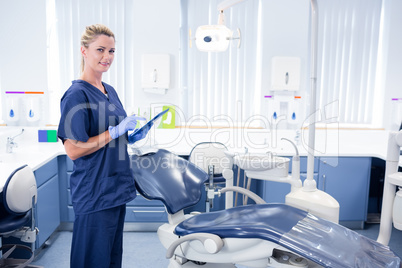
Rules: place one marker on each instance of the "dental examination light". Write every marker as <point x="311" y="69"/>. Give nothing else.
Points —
<point x="216" y="38"/>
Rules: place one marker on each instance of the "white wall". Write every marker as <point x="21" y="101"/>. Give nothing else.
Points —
<point x="23" y="46"/>
<point x="286" y="29"/>
<point x="157" y="28"/>
<point x="286" y="34"/>
<point x="393" y="58"/>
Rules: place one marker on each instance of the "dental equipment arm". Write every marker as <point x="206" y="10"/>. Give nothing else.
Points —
<point x="310" y="184"/>
<point x="228" y="175"/>
<point x="212" y="243"/>
<point x="391" y="169"/>
<point x="309" y="198"/>
<point x="296" y="183"/>
<point x="248" y="193"/>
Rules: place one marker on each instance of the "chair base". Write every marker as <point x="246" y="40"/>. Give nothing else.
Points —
<point x="19" y="263"/>
<point x="189" y="264"/>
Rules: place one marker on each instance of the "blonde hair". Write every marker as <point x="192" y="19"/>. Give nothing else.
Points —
<point x="90" y="34"/>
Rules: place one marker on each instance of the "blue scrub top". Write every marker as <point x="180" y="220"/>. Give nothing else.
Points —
<point x="102" y="179"/>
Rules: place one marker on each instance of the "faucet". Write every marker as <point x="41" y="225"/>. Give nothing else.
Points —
<point x="11" y="144"/>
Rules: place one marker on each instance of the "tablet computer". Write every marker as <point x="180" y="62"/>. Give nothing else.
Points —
<point x="140" y="133"/>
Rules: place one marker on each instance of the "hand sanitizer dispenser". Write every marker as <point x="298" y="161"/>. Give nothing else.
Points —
<point x="24" y="108"/>
<point x="12" y="110"/>
<point x="284" y="107"/>
<point x="32" y="112"/>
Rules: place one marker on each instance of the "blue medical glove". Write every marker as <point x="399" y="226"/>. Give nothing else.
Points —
<point x="141" y="133"/>
<point x="128" y="123"/>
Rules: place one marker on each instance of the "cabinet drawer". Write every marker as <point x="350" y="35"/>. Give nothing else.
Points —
<point x="46" y="172"/>
<point x="141" y="201"/>
<point x="146" y="214"/>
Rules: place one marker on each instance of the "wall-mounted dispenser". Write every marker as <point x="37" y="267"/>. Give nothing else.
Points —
<point x="12" y="109"/>
<point x="285" y="73"/>
<point x="32" y="108"/>
<point x="284" y="107"/>
<point x="285" y="111"/>
<point x="155" y="76"/>
<point x="24" y="108"/>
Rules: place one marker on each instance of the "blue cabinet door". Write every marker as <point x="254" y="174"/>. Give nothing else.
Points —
<point x="347" y="180"/>
<point x="47" y="210"/>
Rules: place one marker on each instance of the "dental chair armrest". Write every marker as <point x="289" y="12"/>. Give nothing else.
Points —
<point x="256" y="198"/>
<point x="212" y="243"/>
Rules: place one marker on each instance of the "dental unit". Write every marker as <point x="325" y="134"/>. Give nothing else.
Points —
<point x="303" y="232"/>
<point x="260" y="235"/>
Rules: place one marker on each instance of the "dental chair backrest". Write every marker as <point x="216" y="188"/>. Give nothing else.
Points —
<point x="169" y="178"/>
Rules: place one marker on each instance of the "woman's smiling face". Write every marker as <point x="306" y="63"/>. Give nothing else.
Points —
<point x="99" y="54"/>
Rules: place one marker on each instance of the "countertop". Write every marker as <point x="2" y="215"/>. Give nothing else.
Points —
<point x="330" y="142"/>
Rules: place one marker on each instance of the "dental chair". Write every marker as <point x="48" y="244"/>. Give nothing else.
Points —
<point x="17" y="202"/>
<point x="210" y="157"/>
<point x="260" y="235"/>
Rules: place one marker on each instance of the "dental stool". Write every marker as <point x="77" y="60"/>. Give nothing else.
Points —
<point x="260" y="235"/>
<point x="211" y="158"/>
<point x="17" y="201"/>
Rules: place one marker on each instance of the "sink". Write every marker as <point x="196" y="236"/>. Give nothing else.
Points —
<point x="262" y="166"/>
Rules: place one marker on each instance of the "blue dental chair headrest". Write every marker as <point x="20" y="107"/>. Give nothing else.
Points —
<point x="169" y="178"/>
